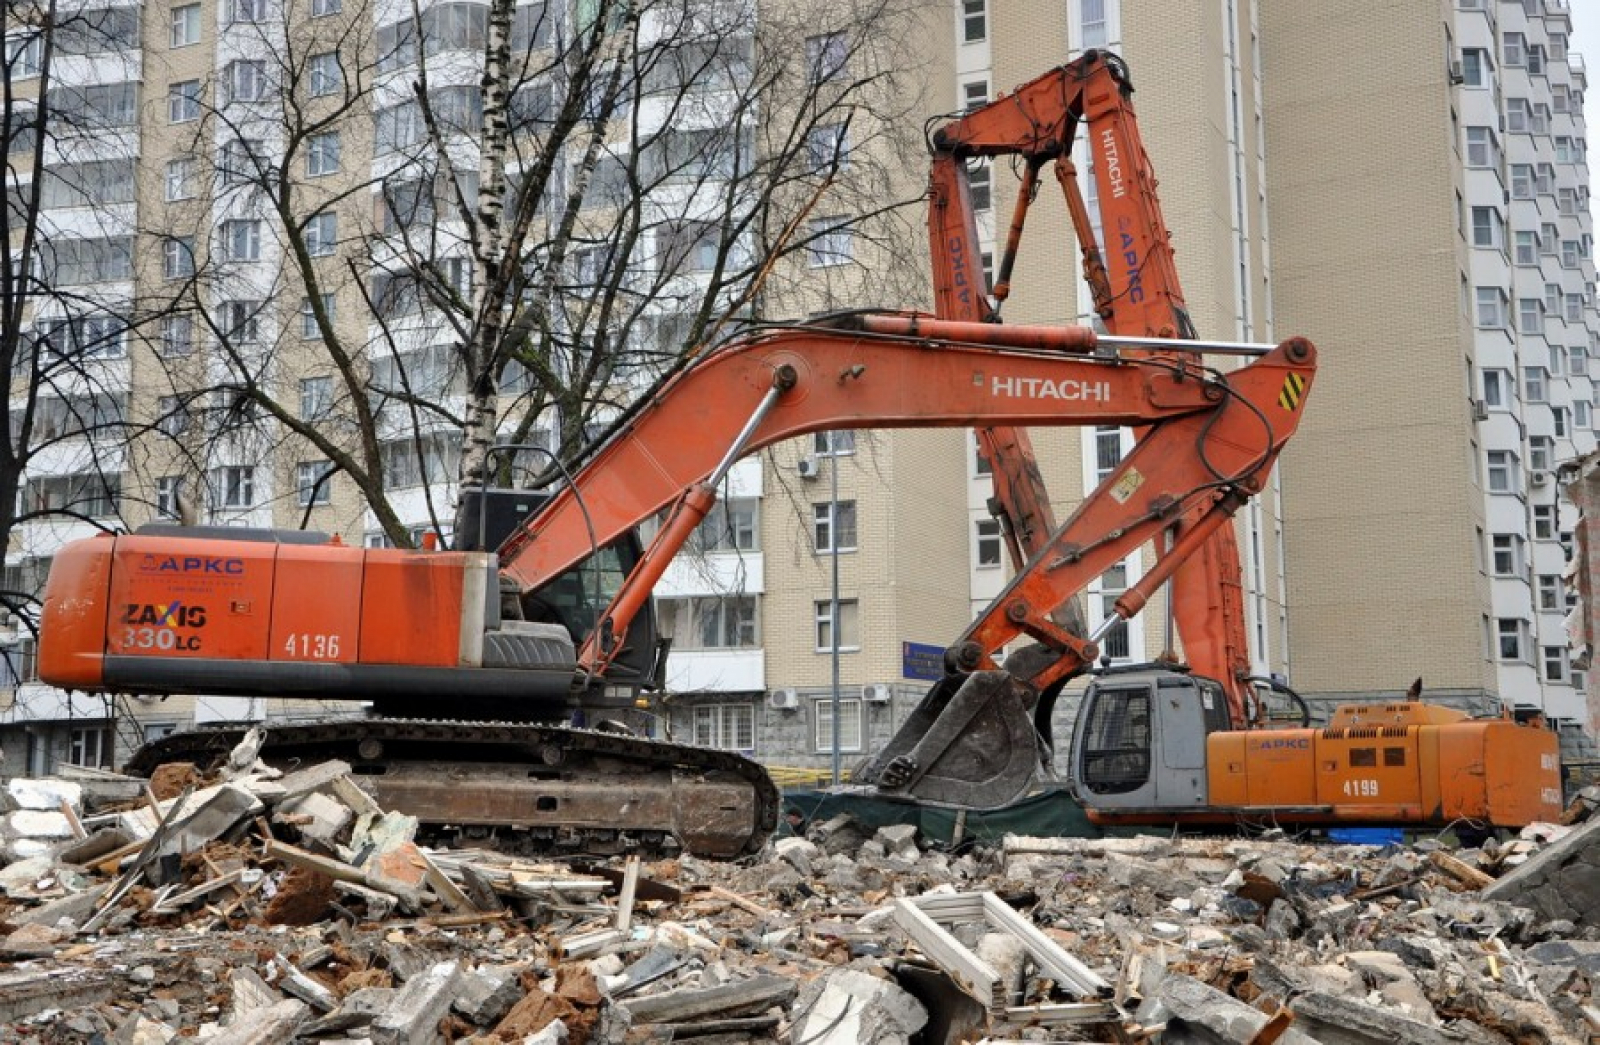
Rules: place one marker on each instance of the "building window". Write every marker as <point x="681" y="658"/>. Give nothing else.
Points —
<point x="1107" y="451"/>
<point x="974" y="20"/>
<point x="1527" y="248"/>
<point x="1513" y="49"/>
<point x="1540" y="450"/>
<point x="1521" y="181"/>
<point x="240" y="323"/>
<point x="1475" y="67"/>
<point x="1497" y="388"/>
<point x="1111" y="585"/>
<point x="324" y="8"/>
<point x="1504" y="472"/>
<point x="1491" y="307"/>
<point x="313" y="482"/>
<point x="245" y="11"/>
<point x="1488" y="228"/>
<point x="177" y="257"/>
<point x="25" y="56"/>
<point x="1550" y="597"/>
<point x="849" y="724"/>
<point x="169" y="497"/>
<point x="1530" y="316"/>
<point x="310" y="329"/>
<point x="1533" y="384"/>
<point x="322" y="154"/>
<point x="729" y="527"/>
<point x="1509" y="641"/>
<point x="1507" y="555"/>
<point x="836" y="443"/>
<point x="980" y="182"/>
<point x="94" y="495"/>
<point x="986" y="534"/>
<point x="172" y="417"/>
<point x="180" y="179"/>
<point x="233" y="486"/>
<point x="1581" y="413"/>
<point x="1482" y="150"/>
<point x="183" y="101"/>
<point x="981" y="465"/>
<point x="90" y="746"/>
<point x="1544" y="522"/>
<point x="827" y="56"/>
<point x="849" y="625"/>
<point x="1096" y="29"/>
<point x="726" y="727"/>
<point x="245" y="80"/>
<point x="185" y="25"/>
<point x="241" y="240"/>
<point x="324" y="74"/>
<point x="974" y="94"/>
<point x="238" y="160"/>
<point x="710" y="622"/>
<point x="1571" y="253"/>
<point x="1555" y="663"/>
<point x="834" y="521"/>
<point x="316" y="397"/>
<point x="828" y="148"/>
<point x="830" y="242"/>
<point x="322" y="234"/>
<point x="1559" y="416"/>
<point x="177" y="335"/>
<point x="1578" y="361"/>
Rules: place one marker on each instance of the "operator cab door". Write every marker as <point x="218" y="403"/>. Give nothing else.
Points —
<point x="1140" y="742"/>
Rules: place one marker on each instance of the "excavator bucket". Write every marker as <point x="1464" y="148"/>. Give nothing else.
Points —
<point x="971" y="742"/>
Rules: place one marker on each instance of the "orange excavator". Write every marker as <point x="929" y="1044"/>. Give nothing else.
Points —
<point x="543" y="614"/>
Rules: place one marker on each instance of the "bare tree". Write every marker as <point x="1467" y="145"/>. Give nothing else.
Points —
<point x="69" y="317"/>
<point x="502" y="224"/>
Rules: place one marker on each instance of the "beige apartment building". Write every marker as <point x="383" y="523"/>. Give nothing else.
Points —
<point x="1375" y="555"/>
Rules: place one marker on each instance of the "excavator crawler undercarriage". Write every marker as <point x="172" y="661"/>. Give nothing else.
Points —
<point x="524" y="788"/>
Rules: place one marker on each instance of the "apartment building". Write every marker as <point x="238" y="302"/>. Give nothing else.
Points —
<point x="1445" y="263"/>
<point x="844" y="563"/>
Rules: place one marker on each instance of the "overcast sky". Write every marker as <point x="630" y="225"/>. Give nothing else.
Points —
<point x="1586" y="41"/>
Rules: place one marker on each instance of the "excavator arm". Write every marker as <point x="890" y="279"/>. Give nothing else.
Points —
<point x="1127" y="262"/>
<point x="1211" y="439"/>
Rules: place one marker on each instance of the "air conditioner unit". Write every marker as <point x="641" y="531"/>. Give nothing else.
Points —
<point x="784" y="699"/>
<point x="1480" y="410"/>
<point x="1538" y="478"/>
<point x="875" y="693"/>
<point x="809" y="468"/>
<point x="1457" y="76"/>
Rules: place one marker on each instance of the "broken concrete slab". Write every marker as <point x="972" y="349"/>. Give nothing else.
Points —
<point x="487" y="994"/>
<point x="45" y="793"/>
<point x="417" y="1008"/>
<point x="851" y="1007"/>
<point x="1195" y="1012"/>
<point x="276" y="1024"/>
<point x="1561" y="880"/>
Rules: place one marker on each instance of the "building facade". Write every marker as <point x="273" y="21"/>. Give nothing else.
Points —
<point x="1451" y="251"/>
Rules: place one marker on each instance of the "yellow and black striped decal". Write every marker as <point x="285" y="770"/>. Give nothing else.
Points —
<point x="1294" y="386"/>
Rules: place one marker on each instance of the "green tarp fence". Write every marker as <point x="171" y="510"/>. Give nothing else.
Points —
<point x="1051" y="813"/>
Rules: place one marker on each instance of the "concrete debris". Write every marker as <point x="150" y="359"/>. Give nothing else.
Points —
<point x="271" y="909"/>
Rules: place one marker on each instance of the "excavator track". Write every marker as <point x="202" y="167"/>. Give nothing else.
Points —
<point x="524" y="788"/>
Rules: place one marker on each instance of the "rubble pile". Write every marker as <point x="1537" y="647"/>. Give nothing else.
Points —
<point x="255" y="908"/>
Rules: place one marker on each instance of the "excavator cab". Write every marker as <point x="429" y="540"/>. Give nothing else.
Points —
<point x="1140" y="738"/>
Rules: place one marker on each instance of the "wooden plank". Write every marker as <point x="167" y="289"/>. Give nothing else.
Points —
<point x="448" y="891"/>
<point x="176" y="903"/>
<point x="754" y="994"/>
<point x="743" y="903"/>
<point x="1461" y="871"/>
<point x="630" y="884"/>
<point x="72" y="821"/>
